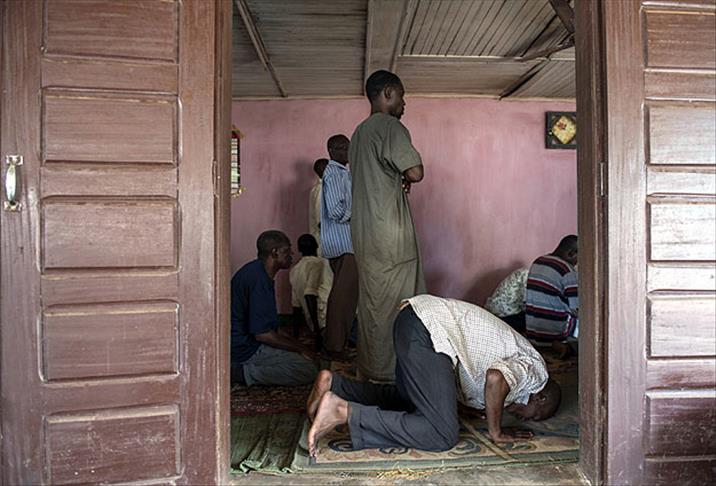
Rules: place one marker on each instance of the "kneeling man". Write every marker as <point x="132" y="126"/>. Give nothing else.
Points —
<point x="446" y="350"/>
<point x="260" y="355"/>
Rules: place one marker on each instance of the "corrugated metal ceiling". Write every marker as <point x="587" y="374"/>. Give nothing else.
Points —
<point x="475" y="47"/>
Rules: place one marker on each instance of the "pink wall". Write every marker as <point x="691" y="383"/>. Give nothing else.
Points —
<point x="493" y="197"/>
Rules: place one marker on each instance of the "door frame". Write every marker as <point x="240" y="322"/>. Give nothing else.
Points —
<point x="213" y="392"/>
<point x="593" y="284"/>
<point x="590" y="69"/>
<point x="222" y="233"/>
<point x="591" y="106"/>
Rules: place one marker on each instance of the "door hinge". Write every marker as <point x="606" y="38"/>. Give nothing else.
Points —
<point x="602" y="176"/>
<point x="214" y="176"/>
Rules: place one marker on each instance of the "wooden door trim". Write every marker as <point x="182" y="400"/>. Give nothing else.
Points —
<point x="202" y="383"/>
<point x="591" y="160"/>
<point x="20" y="461"/>
<point x="626" y="241"/>
<point x="3" y="28"/>
<point x="222" y="234"/>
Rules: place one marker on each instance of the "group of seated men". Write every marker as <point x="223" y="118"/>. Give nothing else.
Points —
<point x="542" y="301"/>
<point x="447" y="352"/>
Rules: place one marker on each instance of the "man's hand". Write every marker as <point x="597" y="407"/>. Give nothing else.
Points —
<point x="406" y="186"/>
<point x="511" y="434"/>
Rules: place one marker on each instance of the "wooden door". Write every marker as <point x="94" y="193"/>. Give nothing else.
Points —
<point x="654" y="76"/>
<point x="110" y="343"/>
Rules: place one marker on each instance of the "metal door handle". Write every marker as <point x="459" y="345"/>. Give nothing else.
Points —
<point x="13" y="167"/>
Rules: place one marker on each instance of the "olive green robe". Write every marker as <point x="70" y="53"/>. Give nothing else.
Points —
<point x="384" y="239"/>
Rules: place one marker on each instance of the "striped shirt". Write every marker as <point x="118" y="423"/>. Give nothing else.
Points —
<point x="336" y="201"/>
<point x="552" y="299"/>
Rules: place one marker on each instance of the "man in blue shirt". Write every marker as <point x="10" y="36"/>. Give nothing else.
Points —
<point x="259" y="354"/>
<point x="336" y="246"/>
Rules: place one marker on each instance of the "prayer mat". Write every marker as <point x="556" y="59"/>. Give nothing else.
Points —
<point x="265" y="442"/>
<point x="473" y="449"/>
<point x="259" y="400"/>
<point x="266" y="423"/>
<point x="268" y="429"/>
<point x="556" y="440"/>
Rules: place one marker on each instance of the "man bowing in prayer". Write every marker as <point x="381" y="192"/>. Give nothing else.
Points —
<point x="447" y="351"/>
<point x="384" y="163"/>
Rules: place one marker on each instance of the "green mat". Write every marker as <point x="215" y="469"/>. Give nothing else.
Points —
<point x="265" y="443"/>
<point x="276" y="443"/>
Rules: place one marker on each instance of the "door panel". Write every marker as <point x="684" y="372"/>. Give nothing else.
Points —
<point x="672" y="138"/>
<point x="94" y="127"/>
<point x="679" y="38"/>
<point x="680" y="423"/>
<point x="140" y="29"/>
<point x="109" y="350"/>
<point x="91" y="341"/>
<point x="658" y="106"/>
<point x="103" y="447"/>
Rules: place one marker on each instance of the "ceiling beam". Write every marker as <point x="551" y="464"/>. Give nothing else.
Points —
<point x="409" y="7"/>
<point x="522" y="80"/>
<point x="386" y="26"/>
<point x="565" y="13"/>
<point x="257" y="41"/>
<point x="546" y="53"/>
<point x="543" y="55"/>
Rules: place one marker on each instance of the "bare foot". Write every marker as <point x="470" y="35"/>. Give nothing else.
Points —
<point x="320" y="386"/>
<point x="332" y="411"/>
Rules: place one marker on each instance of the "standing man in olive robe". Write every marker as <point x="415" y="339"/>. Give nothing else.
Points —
<point x="385" y="164"/>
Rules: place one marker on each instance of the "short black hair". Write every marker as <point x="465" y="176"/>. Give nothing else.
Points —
<point x="319" y="166"/>
<point x="378" y="81"/>
<point x="568" y="243"/>
<point x="553" y="397"/>
<point x="336" y="141"/>
<point x="271" y="240"/>
<point x="307" y="244"/>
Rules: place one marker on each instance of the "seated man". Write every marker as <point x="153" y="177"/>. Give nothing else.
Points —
<point x="552" y="299"/>
<point x="508" y="300"/>
<point x="311" y="280"/>
<point x="435" y="340"/>
<point x="259" y="354"/>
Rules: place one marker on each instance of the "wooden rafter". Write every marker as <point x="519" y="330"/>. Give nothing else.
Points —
<point x="546" y="53"/>
<point x="522" y="80"/>
<point x="408" y="7"/>
<point x="542" y="55"/>
<point x="258" y="43"/>
<point x="386" y="26"/>
<point x="565" y="13"/>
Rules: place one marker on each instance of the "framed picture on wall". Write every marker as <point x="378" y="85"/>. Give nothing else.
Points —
<point x="561" y="130"/>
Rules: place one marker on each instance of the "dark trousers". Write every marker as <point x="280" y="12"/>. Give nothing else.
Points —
<point x="420" y="410"/>
<point x="342" y="302"/>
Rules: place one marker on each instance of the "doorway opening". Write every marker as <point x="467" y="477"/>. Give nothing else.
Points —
<point x="480" y="78"/>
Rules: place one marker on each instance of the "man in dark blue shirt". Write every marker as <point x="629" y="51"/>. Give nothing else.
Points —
<point x="259" y="354"/>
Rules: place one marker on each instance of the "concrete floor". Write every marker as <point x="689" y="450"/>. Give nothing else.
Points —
<point x="553" y="474"/>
